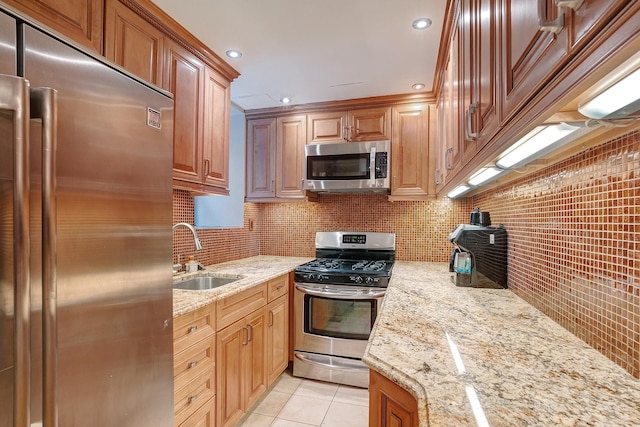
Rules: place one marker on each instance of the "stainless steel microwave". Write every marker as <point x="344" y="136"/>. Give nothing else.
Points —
<point x="348" y="167"/>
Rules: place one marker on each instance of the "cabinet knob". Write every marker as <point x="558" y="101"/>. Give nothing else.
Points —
<point x="192" y="398"/>
<point x="192" y="329"/>
<point x="192" y="364"/>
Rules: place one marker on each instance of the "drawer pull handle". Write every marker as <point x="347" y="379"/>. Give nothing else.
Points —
<point x="545" y="24"/>
<point x="192" y="398"/>
<point x="192" y="364"/>
<point x="246" y="339"/>
<point x="270" y="318"/>
<point x="280" y="287"/>
<point x="192" y="329"/>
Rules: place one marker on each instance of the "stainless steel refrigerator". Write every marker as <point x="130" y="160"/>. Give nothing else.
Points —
<point x="85" y="237"/>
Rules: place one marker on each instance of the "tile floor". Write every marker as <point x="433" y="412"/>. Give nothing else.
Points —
<point x="297" y="402"/>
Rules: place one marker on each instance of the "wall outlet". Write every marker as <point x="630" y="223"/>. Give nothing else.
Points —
<point x="250" y="224"/>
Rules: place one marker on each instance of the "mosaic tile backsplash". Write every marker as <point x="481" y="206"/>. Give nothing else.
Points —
<point x="574" y="238"/>
<point x="574" y="245"/>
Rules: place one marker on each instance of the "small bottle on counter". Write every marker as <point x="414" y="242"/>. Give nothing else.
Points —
<point x="191" y="265"/>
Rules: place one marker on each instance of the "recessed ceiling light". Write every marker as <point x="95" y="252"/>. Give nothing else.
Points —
<point x="285" y="100"/>
<point x="421" y="23"/>
<point x="232" y="53"/>
<point x="418" y="86"/>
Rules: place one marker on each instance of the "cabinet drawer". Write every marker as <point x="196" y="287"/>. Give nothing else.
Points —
<point x="205" y="416"/>
<point x="190" y="398"/>
<point x="195" y="361"/>
<point x="235" y="307"/>
<point x="278" y="287"/>
<point x="192" y="327"/>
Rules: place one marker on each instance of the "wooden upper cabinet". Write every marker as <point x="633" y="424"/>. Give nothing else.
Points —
<point x="327" y="127"/>
<point x="479" y="79"/>
<point x="80" y="20"/>
<point x="412" y="161"/>
<point x="261" y="158"/>
<point x="369" y="124"/>
<point x="290" y="141"/>
<point x="184" y="78"/>
<point x="132" y="42"/>
<point x="217" y="106"/>
<point x="530" y="55"/>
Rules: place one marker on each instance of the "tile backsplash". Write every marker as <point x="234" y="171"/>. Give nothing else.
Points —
<point x="574" y="238"/>
<point x="574" y="244"/>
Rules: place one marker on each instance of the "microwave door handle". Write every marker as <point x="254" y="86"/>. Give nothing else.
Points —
<point x="372" y="167"/>
<point x="14" y="96"/>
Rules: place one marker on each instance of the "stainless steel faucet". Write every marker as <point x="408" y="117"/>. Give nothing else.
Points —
<point x="196" y="240"/>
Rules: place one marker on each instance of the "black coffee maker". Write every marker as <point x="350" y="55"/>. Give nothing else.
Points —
<point x="479" y="257"/>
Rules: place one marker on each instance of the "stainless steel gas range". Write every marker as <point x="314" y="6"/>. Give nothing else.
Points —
<point x="336" y="302"/>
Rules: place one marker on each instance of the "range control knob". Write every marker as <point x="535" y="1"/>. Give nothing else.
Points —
<point x="357" y="279"/>
<point x="368" y="280"/>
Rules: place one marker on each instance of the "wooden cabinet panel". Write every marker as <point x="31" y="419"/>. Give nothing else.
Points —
<point x="195" y="361"/>
<point x="290" y="141"/>
<point x="80" y="20"/>
<point x="132" y="42"/>
<point x="369" y="124"/>
<point x="390" y="404"/>
<point x="278" y="287"/>
<point x="277" y="337"/>
<point x="261" y="158"/>
<point x="238" y="306"/>
<point x="529" y="56"/>
<point x="326" y="127"/>
<point x="451" y="134"/>
<point x="255" y="357"/>
<point x="203" y="417"/>
<point x="229" y="349"/>
<point x="217" y="106"/>
<point x="411" y="160"/>
<point x="192" y="327"/>
<point x="592" y="15"/>
<point x="184" y="78"/>
<point x="188" y="399"/>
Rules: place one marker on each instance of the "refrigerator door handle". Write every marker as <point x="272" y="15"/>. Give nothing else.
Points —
<point x="44" y="106"/>
<point x="14" y="96"/>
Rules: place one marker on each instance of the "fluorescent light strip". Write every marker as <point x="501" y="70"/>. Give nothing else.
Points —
<point x="614" y="98"/>
<point x="535" y="141"/>
<point x="483" y="175"/>
<point x="458" y="191"/>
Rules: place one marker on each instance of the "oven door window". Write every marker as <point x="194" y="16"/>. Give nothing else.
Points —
<point x="339" y="318"/>
<point x="339" y="167"/>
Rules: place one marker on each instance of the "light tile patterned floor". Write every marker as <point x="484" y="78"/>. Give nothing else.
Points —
<point x="297" y="402"/>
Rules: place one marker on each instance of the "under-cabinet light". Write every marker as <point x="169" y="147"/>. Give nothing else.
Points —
<point x="484" y="175"/>
<point x="619" y="100"/>
<point x="533" y="143"/>
<point x="460" y="189"/>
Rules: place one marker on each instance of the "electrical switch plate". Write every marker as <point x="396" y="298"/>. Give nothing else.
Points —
<point x="492" y="239"/>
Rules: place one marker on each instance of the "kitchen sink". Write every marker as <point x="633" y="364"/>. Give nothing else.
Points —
<point x="202" y="283"/>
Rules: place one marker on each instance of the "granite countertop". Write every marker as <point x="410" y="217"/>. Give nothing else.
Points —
<point x="455" y="349"/>
<point x="252" y="270"/>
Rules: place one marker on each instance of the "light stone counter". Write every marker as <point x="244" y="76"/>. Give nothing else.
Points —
<point x="449" y="346"/>
<point x="254" y="270"/>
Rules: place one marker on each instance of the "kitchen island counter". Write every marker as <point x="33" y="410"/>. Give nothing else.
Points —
<point x="468" y="355"/>
<point x="253" y="271"/>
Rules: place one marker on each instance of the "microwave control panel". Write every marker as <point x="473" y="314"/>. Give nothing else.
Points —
<point x="381" y="165"/>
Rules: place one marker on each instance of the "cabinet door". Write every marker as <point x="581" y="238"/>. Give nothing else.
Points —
<point x="217" y="105"/>
<point x="230" y="344"/>
<point x="132" y="42"/>
<point x="290" y="141"/>
<point x="277" y="337"/>
<point x="261" y="160"/>
<point x="255" y="357"/>
<point x="592" y="15"/>
<point x="412" y="163"/>
<point x="390" y="404"/>
<point x="370" y="124"/>
<point x="451" y="120"/>
<point x="485" y="71"/>
<point x="326" y="127"/>
<point x="530" y="56"/>
<point x="184" y="76"/>
<point x="80" y="20"/>
<point x="467" y="82"/>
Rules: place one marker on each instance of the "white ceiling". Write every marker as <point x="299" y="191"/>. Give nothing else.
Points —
<point x="317" y="50"/>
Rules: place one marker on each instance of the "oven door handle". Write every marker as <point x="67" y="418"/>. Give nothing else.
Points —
<point x="340" y="295"/>
<point x="343" y="365"/>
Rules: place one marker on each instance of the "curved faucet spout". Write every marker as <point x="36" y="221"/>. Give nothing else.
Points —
<point x="196" y="240"/>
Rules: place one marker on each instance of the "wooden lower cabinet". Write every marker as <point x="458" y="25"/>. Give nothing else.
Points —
<point x="277" y="337"/>
<point x="389" y="404"/>
<point x="194" y="367"/>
